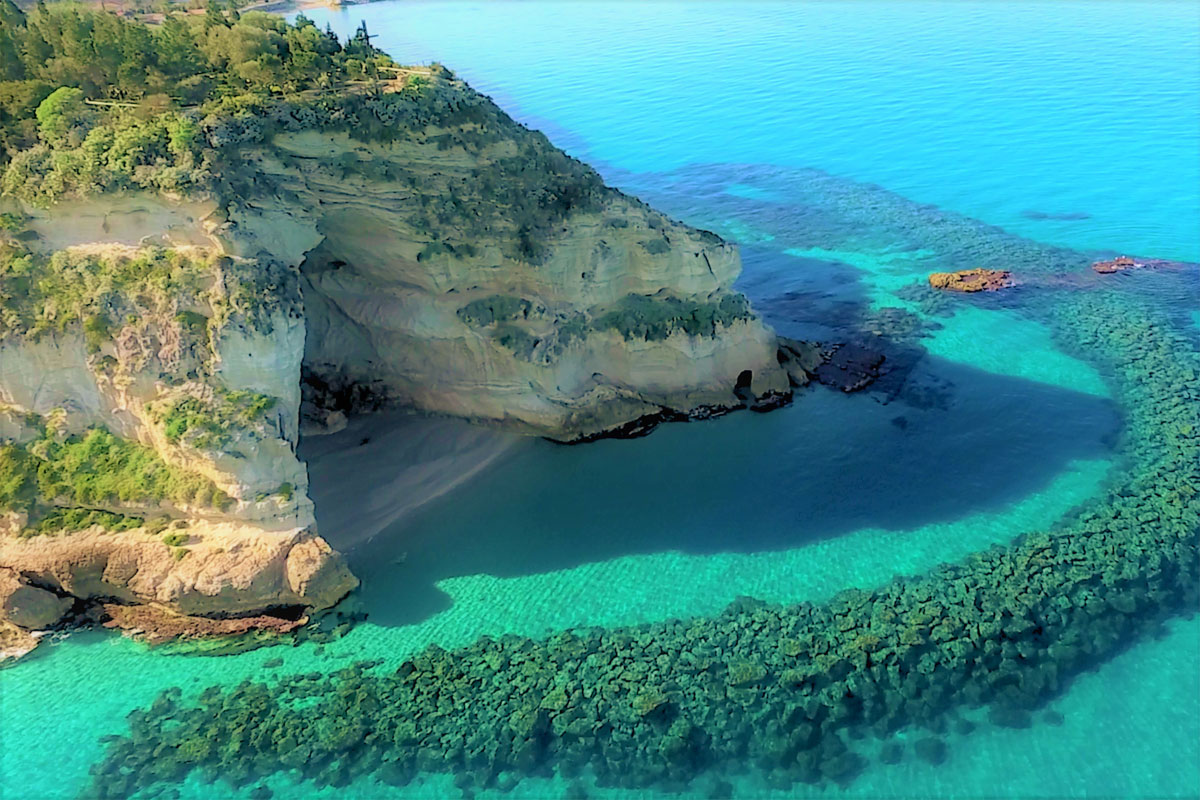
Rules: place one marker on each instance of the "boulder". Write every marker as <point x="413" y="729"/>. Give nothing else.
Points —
<point x="29" y="606"/>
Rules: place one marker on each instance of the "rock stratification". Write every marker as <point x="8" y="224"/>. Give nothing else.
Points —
<point x="413" y="246"/>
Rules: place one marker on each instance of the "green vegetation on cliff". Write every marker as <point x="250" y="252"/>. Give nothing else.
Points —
<point x="207" y="423"/>
<point x="655" y="318"/>
<point x="61" y="481"/>
<point x="93" y="103"/>
<point x="101" y="289"/>
<point x="635" y="316"/>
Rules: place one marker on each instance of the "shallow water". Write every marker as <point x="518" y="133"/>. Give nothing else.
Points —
<point x="988" y="427"/>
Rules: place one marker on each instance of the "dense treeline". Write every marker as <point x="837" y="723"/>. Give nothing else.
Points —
<point x="67" y="70"/>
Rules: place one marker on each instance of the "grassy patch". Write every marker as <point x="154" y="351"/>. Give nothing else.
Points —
<point x="66" y="520"/>
<point x="40" y="294"/>
<point x="654" y="318"/>
<point x="497" y="308"/>
<point x="100" y="468"/>
<point x="210" y="423"/>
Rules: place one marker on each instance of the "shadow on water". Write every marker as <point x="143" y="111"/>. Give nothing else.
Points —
<point x="946" y="440"/>
<point x="828" y="465"/>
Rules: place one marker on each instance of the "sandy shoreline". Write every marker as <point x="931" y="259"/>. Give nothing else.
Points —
<point x="384" y="466"/>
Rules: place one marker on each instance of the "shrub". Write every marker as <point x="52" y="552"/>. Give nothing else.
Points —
<point x="175" y="539"/>
<point x="656" y="318"/>
<point x="98" y="468"/>
<point x="66" y="520"/>
<point x="209" y="423"/>
<point x="18" y="478"/>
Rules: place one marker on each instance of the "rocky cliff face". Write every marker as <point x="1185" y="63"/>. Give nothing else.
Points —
<point x="429" y="252"/>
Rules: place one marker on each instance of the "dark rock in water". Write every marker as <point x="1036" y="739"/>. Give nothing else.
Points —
<point x="1053" y="718"/>
<point x="931" y="750"/>
<point x="800" y="359"/>
<point x="972" y="280"/>
<point x="261" y="792"/>
<point x="850" y="368"/>
<point x="1065" y="215"/>
<point x="965" y="727"/>
<point x="1009" y="717"/>
<point x="891" y="753"/>
<point x="900" y="422"/>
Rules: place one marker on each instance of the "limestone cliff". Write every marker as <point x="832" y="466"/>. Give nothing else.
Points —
<point x="412" y="246"/>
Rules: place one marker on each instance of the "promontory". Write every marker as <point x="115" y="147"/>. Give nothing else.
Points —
<point x="221" y="231"/>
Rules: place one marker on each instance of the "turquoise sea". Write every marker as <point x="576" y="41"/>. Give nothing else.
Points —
<point x="850" y="149"/>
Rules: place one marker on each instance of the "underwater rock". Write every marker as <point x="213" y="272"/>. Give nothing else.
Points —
<point x="850" y="368"/>
<point x="972" y="280"/>
<point x="891" y="753"/>
<point x="931" y="750"/>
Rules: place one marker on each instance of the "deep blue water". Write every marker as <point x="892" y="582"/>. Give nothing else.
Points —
<point x="850" y="150"/>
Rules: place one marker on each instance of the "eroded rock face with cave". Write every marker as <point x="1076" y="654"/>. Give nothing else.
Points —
<point x="408" y="248"/>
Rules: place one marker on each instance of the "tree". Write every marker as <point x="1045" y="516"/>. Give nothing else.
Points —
<point x="61" y="113"/>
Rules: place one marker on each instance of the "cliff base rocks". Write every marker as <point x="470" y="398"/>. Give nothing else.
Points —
<point x="156" y="624"/>
<point x="846" y="367"/>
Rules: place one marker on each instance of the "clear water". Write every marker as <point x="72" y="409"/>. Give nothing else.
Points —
<point x="714" y="111"/>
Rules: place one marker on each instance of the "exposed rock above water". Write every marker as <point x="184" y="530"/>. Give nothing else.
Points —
<point x="154" y="624"/>
<point x="1123" y="263"/>
<point x="972" y="280"/>
<point x="848" y="367"/>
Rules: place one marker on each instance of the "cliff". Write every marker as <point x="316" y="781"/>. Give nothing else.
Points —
<point x="161" y="351"/>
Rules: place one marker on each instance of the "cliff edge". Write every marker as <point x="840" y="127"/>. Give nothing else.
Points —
<point x="400" y="243"/>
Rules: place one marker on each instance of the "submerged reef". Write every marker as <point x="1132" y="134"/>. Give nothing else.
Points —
<point x="794" y="689"/>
